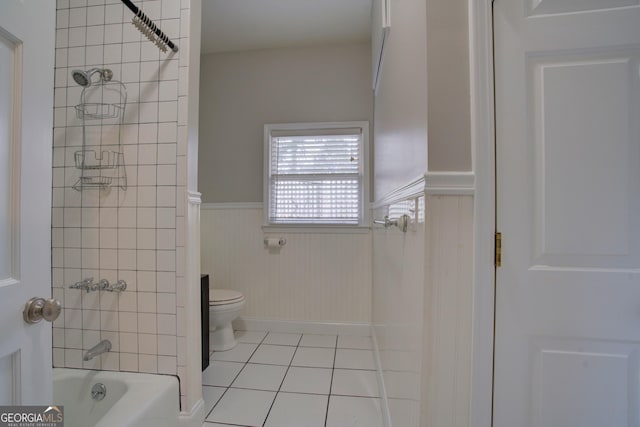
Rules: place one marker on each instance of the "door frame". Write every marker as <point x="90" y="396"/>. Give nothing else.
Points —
<point x="484" y="221"/>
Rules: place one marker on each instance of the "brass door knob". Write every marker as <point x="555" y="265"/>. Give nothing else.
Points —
<point x="37" y="309"/>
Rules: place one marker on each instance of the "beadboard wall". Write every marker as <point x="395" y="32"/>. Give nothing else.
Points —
<point x="422" y="290"/>
<point x="448" y="311"/>
<point x="320" y="277"/>
<point x="398" y="309"/>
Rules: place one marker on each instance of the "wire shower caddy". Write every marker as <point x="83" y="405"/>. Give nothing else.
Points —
<point x="101" y="103"/>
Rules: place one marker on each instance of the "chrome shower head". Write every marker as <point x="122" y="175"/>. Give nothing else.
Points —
<point x="83" y="78"/>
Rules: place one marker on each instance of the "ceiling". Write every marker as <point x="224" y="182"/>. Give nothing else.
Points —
<point x="237" y="25"/>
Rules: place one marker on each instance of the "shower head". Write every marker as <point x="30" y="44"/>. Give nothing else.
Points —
<point x="83" y="78"/>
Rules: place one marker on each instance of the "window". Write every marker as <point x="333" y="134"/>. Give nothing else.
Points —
<point x="316" y="173"/>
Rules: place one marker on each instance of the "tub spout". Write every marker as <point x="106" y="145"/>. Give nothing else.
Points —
<point x="102" y="347"/>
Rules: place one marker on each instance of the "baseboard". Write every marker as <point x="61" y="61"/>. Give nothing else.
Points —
<point x="384" y="403"/>
<point x="195" y="418"/>
<point x="302" y="327"/>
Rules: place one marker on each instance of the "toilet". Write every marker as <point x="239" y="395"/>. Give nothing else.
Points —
<point x="224" y="307"/>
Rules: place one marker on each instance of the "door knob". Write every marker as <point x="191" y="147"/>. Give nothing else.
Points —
<point x="37" y="309"/>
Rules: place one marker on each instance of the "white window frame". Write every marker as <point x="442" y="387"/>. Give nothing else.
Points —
<point x="363" y="223"/>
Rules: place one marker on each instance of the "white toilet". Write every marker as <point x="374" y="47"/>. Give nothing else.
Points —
<point x="224" y="307"/>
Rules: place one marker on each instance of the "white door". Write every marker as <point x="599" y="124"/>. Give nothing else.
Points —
<point x="27" y="32"/>
<point x="567" y="343"/>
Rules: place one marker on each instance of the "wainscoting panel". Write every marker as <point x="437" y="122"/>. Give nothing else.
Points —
<point x="448" y="311"/>
<point x="398" y="309"/>
<point x="315" y="276"/>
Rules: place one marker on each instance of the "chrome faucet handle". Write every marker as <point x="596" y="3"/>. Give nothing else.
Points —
<point x="83" y="284"/>
<point x="103" y="284"/>
<point x="120" y="286"/>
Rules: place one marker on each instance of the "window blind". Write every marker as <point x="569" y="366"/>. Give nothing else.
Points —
<point x="316" y="179"/>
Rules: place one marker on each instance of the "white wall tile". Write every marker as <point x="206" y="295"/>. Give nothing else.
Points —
<point x="167" y="324"/>
<point x="113" y="13"/>
<point x="146" y="198"/>
<point x="113" y="33"/>
<point x="166" y="196"/>
<point x="168" y="111"/>
<point x="126" y="239"/>
<point x="146" y="238"/>
<point x="147" y="323"/>
<point x="166" y="175"/>
<point x="112" y="53"/>
<point x="148" y="344"/>
<point x="166" y="303"/>
<point x="130" y="33"/>
<point x="77" y="36"/>
<point x="166" y="154"/>
<point x="95" y="35"/>
<point x="128" y="301"/>
<point x="127" y="259"/>
<point x="166" y="281"/>
<point x="94" y="58"/>
<point x="146" y="260"/>
<point x="128" y="322"/>
<point x="148" y="363"/>
<point x="95" y="15"/>
<point x="146" y="281"/>
<point x="62" y="18"/>
<point x="148" y="133"/>
<point x="108" y="239"/>
<point x="166" y="239"/>
<point x="73" y="338"/>
<point x="131" y="52"/>
<point x="147" y="154"/>
<point x="146" y="302"/>
<point x="78" y="17"/>
<point x="129" y="362"/>
<point x="147" y="175"/>
<point x="112" y="234"/>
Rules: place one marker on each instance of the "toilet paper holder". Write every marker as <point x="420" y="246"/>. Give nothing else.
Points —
<point x="274" y="242"/>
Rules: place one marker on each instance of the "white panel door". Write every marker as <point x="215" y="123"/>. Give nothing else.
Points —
<point x="27" y="32"/>
<point x="567" y="341"/>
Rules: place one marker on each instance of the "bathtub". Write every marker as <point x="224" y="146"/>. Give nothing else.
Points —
<point x="131" y="399"/>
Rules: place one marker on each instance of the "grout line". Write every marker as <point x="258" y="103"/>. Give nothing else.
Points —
<point x="234" y="378"/>
<point x="333" y="369"/>
<point x="282" y="382"/>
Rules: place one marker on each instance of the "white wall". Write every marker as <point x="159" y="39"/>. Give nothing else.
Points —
<point x="400" y="128"/>
<point x="324" y="277"/>
<point x="241" y="92"/>
<point x="448" y="85"/>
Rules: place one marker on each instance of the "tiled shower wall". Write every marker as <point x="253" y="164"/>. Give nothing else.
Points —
<point x="135" y="234"/>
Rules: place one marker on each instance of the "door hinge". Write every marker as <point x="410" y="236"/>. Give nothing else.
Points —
<point x="498" y="252"/>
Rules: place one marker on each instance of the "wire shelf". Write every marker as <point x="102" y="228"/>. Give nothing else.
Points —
<point x="92" y="183"/>
<point x="91" y="159"/>
<point x="101" y="169"/>
<point x="98" y="111"/>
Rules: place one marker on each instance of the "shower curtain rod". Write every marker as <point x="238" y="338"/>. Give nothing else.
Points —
<point x="147" y="27"/>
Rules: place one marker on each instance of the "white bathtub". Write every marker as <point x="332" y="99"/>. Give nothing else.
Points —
<point x="132" y="399"/>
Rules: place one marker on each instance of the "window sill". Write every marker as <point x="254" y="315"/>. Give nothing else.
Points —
<point x="316" y="228"/>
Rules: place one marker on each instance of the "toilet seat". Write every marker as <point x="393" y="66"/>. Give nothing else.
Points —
<point x="224" y="297"/>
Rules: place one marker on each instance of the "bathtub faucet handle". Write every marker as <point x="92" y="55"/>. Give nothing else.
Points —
<point x="120" y="286"/>
<point x="86" y="284"/>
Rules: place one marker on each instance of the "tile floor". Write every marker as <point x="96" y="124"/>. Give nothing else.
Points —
<point x="293" y="380"/>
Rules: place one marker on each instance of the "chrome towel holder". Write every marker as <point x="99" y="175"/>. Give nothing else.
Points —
<point x="402" y="222"/>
